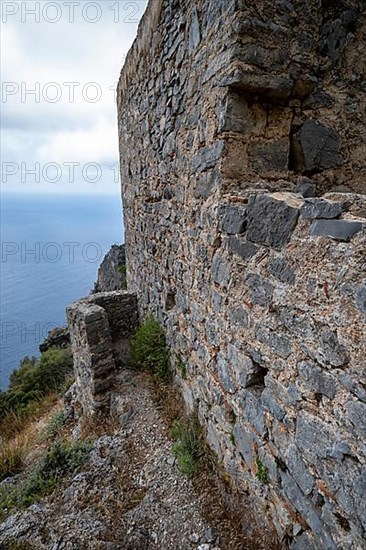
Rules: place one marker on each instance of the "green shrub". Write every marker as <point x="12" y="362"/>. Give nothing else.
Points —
<point x="18" y="375"/>
<point x="60" y="460"/>
<point x="189" y="447"/>
<point x="262" y="471"/>
<point x="54" y="426"/>
<point x="182" y="367"/>
<point x="36" y="378"/>
<point x="149" y="350"/>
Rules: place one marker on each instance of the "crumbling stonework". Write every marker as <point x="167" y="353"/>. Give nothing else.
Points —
<point x="100" y="329"/>
<point x="234" y="117"/>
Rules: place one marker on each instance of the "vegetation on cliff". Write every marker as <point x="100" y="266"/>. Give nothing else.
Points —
<point x="60" y="459"/>
<point x="34" y="379"/>
<point x="36" y="451"/>
<point x="189" y="447"/>
<point x="149" y="350"/>
<point x="33" y="390"/>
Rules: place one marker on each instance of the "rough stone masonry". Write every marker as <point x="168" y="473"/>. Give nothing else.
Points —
<point x="101" y="327"/>
<point x="242" y="139"/>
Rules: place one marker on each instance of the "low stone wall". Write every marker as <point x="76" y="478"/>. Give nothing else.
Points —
<point x="100" y="329"/>
<point x="234" y="118"/>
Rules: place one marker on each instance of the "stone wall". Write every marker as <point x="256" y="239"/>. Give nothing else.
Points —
<point x="234" y="118"/>
<point x="100" y="329"/>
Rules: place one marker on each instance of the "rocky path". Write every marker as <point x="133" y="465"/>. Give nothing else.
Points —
<point x="129" y="494"/>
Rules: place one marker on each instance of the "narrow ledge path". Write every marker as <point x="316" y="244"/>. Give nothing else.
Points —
<point x="129" y="494"/>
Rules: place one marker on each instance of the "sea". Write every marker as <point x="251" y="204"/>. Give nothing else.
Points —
<point x="51" y="248"/>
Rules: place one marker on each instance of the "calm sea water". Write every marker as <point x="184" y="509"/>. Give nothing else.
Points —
<point x="51" y="248"/>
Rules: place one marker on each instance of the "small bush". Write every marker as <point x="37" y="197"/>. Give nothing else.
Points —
<point x="182" y="367"/>
<point x="34" y="379"/>
<point x="149" y="350"/>
<point x="60" y="460"/>
<point x="53" y="427"/>
<point x="189" y="447"/>
<point x="262" y="471"/>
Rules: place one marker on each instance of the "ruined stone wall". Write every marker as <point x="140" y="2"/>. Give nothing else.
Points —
<point x="234" y="117"/>
<point x="100" y="328"/>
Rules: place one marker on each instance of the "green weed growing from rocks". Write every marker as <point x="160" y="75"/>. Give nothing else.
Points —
<point x="61" y="459"/>
<point x="262" y="471"/>
<point x="182" y="367"/>
<point x="188" y="448"/>
<point x="54" y="426"/>
<point x="149" y="350"/>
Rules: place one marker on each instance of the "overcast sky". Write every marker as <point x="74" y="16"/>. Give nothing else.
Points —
<point x="62" y="137"/>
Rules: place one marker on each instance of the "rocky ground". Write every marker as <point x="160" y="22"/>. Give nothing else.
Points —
<point x="130" y="494"/>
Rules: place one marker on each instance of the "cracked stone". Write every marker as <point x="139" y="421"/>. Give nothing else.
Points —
<point x="320" y="208"/>
<point x="232" y="219"/>
<point x="271" y="221"/>
<point x="315" y="147"/>
<point x="339" y="230"/>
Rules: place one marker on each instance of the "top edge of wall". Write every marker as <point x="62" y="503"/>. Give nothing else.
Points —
<point x="147" y="26"/>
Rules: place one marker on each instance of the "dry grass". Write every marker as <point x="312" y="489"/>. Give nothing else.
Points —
<point x="20" y="444"/>
<point x="168" y="400"/>
<point x="25" y="439"/>
<point x="15" y="422"/>
<point x="96" y="426"/>
<point x="13" y="455"/>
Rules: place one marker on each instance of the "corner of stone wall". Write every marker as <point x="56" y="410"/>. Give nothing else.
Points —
<point x="100" y="326"/>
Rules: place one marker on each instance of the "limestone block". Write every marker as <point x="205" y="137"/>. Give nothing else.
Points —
<point x="270" y="221"/>
<point x="245" y="444"/>
<point x="271" y="155"/>
<point x="316" y="147"/>
<point x="242" y="248"/>
<point x="318" y="208"/>
<point x="278" y="343"/>
<point x="316" y="380"/>
<point x="360" y="297"/>
<point x="220" y="270"/>
<point x="282" y="270"/>
<point x="247" y="373"/>
<point x="232" y="218"/>
<point x="305" y="187"/>
<point x="259" y="289"/>
<point x="340" y="230"/>
<point x="194" y="31"/>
